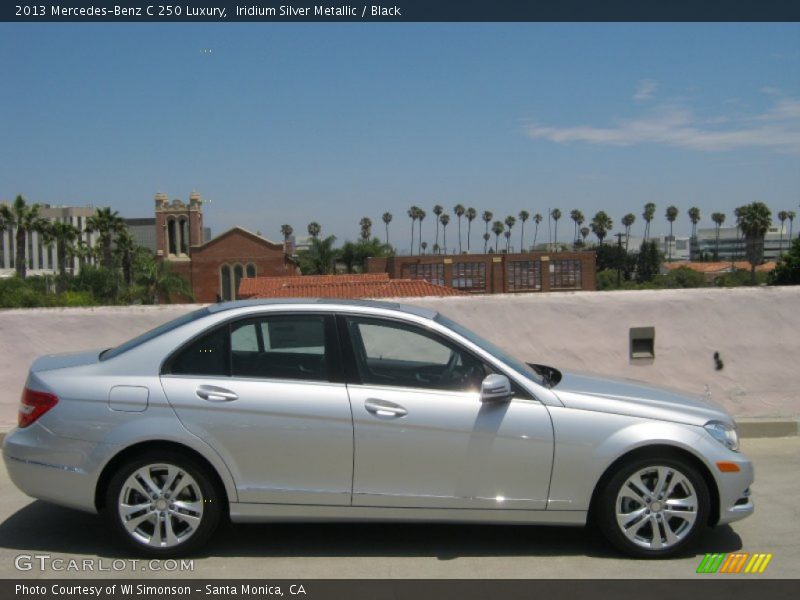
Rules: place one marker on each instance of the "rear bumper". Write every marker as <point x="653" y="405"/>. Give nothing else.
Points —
<point x="53" y="468"/>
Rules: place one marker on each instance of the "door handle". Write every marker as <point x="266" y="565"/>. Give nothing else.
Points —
<point x="213" y="393"/>
<point x="382" y="408"/>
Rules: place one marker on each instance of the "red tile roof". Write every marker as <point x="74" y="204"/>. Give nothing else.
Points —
<point x="366" y="285"/>
<point x="718" y="267"/>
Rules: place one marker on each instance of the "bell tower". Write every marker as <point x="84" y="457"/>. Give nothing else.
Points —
<point x="179" y="226"/>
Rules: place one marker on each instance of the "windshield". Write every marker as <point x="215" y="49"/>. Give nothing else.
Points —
<point x="519" y="366"/>
<point x="153" y="333"/>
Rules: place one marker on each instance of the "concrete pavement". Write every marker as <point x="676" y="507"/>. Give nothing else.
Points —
<point x="288" y="551"/>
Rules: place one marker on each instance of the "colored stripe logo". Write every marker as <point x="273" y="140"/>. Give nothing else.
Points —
<point x="734" y="563"/>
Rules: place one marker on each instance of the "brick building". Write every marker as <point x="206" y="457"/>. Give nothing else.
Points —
<point x="215" y="267"/>
<point x="495" y="273"/>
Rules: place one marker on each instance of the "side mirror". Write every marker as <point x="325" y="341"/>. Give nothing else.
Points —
<point x="496" y="388"/>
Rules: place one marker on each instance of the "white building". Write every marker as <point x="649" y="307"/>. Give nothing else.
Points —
<point x="43" y="259"/>
<point x="732" y="246"/>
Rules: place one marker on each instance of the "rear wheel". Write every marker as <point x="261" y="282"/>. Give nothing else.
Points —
<point x="163" y="504"/>
<point x="653" y="507"/>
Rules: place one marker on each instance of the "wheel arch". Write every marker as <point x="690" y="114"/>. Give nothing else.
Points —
<point x="136" y="449"/>
<point x="661" y="451"/>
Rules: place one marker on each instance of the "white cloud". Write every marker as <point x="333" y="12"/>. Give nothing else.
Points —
<point x="645" y="89"/>
<point x="776" y="129"/>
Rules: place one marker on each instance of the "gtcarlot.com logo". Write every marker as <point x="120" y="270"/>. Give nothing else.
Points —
<point x="735" y="563"/>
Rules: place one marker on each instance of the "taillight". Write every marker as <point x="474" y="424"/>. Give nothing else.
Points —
<point x="33" y="405"/>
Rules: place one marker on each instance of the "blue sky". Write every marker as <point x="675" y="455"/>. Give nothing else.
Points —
<point x="288" y="123"/>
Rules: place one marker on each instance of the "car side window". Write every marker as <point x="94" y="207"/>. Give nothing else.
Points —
<point x="398" y="354"/>
<point x="280" y="347"/>
<point x="207" y="355"/>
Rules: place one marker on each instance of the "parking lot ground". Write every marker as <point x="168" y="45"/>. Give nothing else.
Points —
<point x="302" y="551"/>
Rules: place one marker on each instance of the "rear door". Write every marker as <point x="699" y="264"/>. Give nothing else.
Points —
<point x="267" y="394"/>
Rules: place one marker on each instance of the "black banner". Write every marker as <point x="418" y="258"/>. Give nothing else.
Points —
<point x="405" y="11"/>
<point x="416" y="589"/>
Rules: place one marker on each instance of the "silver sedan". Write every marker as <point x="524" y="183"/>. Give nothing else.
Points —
<point x="344" y="411"/>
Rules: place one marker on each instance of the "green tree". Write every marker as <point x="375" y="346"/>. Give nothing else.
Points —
<point x="578" y="219"/>
<point x="556" y="214"/>
<point x="487" y="217"/>
<point x="648" y="262"/>
<point x="444" y="219"/>
<point x="25" y="218"/>
<point x="790" y="215"/>
<point x="471" y="214"/>
<point x="648" y="214"/>
<point x="319" y="258"/>
<point x="413" y="213"/>
<point x="510" y="222"/>
<point x="719" y="219"/>
<point x="438" y="209"/>
<point x="63" y="236"/>
<point x="107" y="224"/>
<point x="366" y="228"/>
<point x="421" y="214"/>
<point x="286" y="231"/>
<point x="314" y="229"/>
<point x="787" y="271"/>
<point x="537" y="220"/>
<point x="158" y="281"/>
<point x="754" y="220"/>
<point x="387" y="218"/>
<point x="694" y="217"/>
<point x="524" y="215"/>
<point x="486" y="238"/>
<point x="459" y="211"/>
<point x="627" y="221"/>
<point x="125" y="250"/>
<point x="782" y="216"/>
<point x="671" y="214"/>
<point x="601" y="224"/>
<point x="585" y="231"/>
<point x="497" y="229"/>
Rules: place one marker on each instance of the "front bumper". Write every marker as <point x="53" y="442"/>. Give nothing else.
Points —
<point x="735" y="501"/>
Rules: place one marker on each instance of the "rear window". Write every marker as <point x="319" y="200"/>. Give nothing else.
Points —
<point x="154" y="333"/>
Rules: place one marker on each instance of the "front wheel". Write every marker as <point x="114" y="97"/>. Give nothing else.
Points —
<point x="163" y="504"/>
<point x="653" y="508"/>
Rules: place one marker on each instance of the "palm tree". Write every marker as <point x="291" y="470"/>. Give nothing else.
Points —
<point x="25" y="218"/>
<point x="556" y="214"/>
<point x="486" y="238"/>
<point x="790" y="215"/>
<point x="671" y="214"/>
<point x="160" y="281"/>
<point x="459" y="211"/>
<point x="83" y="251"/>
<point x="585" y="231"/>
<point x="108" y="224"/>
<point x="320" y="257"/>
<point x="524" y="215"/>
<point x="537" y="219"/>
<point x="754" y="220"/>
<point x="366" y="228"/>
<point x="387" y="218"/>
<point x="694" y="217"/>
<point x="314" y="229"/>
<point x="421" y="214"/>
<point x="487" y="217"/>
<point x="125" y="250"/>
<point x="438" y="209"/>
<point x="578" y="218"/>
<point x="63" y="236"/>
<point x="601" y="224"/>
<point x="627" y="221"/>
<point x="445" y="220"/>
<point x="507" y="235"/>
<point x="510" y="222"/>
<point x="782" y="216"/>
<point x="424" y="246"/>
<point x="719" y="219"/>
<point x="647" y="215"/>
<point x="286" y="232"/>
<point x="413" y="213"/>
<point x="497" y="229"/>
<point x="471" y="214"/>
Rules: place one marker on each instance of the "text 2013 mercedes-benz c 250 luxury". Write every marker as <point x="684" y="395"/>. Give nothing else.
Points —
<point x="315" y="410"/>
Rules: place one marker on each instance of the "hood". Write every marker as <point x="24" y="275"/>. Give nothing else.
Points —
<point x="633" y="398"/>
<point x="49" y="362"/>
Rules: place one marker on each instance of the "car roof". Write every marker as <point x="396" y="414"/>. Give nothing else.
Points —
<point x="328" y="302"/>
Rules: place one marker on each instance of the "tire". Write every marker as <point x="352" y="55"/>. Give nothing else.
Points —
<point x="183" y="508"/>
<point x="649" y="526"/>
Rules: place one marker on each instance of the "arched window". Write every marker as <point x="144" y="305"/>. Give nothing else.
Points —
<point x="238" y="273"/>
<point x="172" y="247"/>
<point x="225" y="282"/>
<point x="184" y="236"/>
<point x="251" y="270"/>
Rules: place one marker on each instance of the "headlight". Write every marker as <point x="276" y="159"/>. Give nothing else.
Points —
<point x="725" y="434"/>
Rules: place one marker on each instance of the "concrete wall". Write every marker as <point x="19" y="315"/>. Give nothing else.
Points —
<point x="756" y="331"/>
